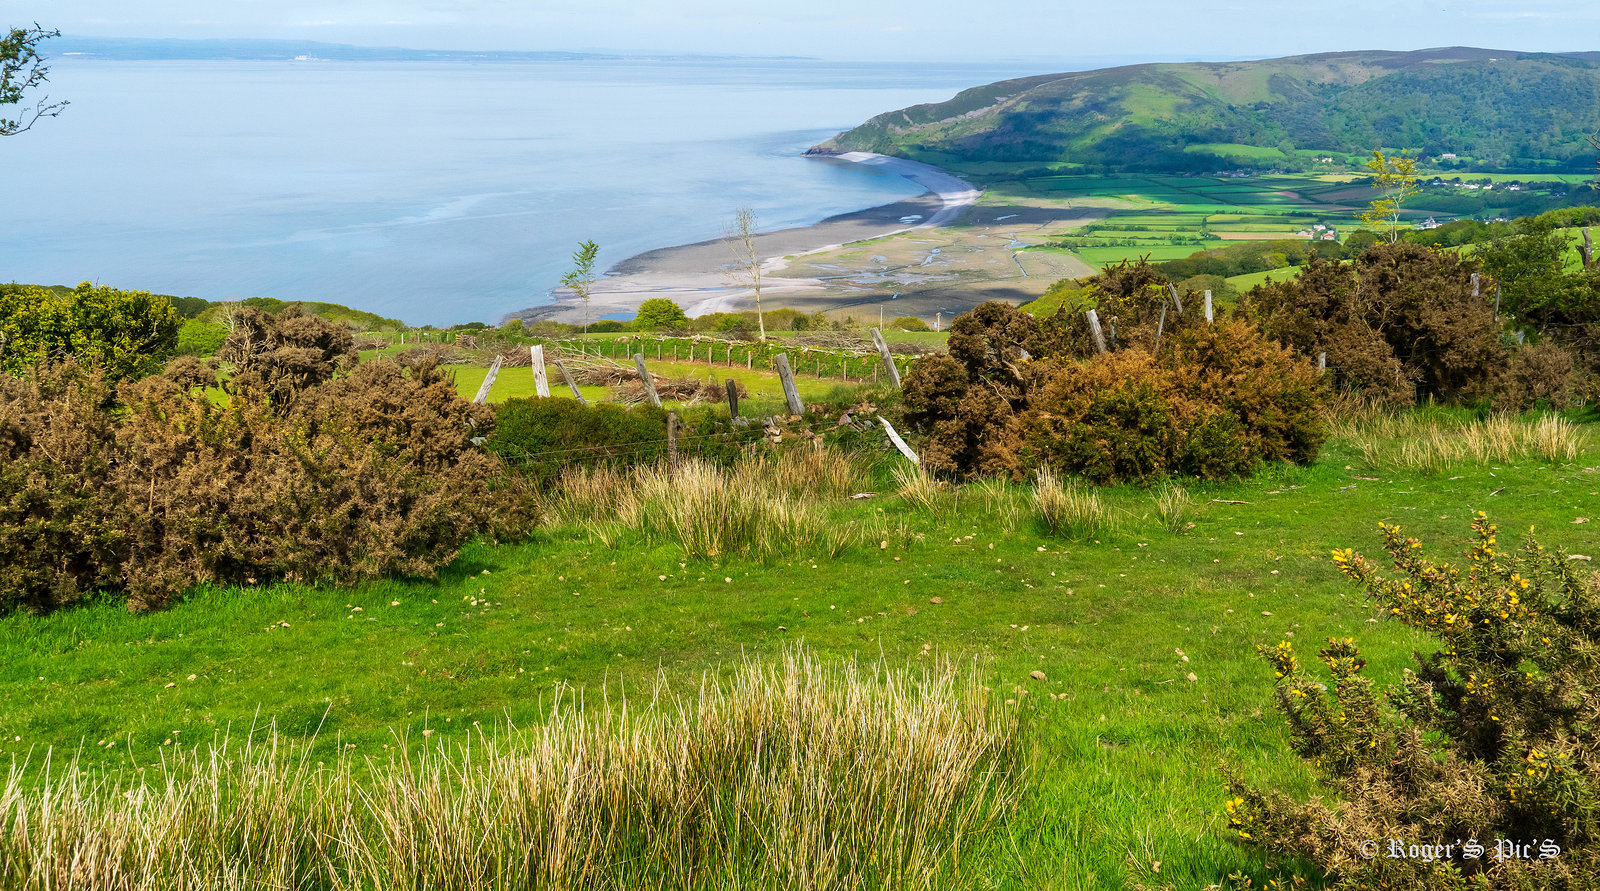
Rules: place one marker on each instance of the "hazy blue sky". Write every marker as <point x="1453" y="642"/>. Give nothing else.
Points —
<point x="870" y="29"/>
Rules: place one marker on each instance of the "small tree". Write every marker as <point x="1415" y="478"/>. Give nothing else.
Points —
<point x="660" y="314"/>
<point x="741" y="238"/>
<point x="1395" y="178"/>
<point x="22" y="69"/>
<point x="581" y="278"/>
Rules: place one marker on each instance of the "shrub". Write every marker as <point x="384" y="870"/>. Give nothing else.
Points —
<point x="1398" y="324"/>
<point x="1540" y="375"/>
<point x="660" y="314"/>
<point x="158" y="488"/>
<point x="909" y="323"/>
<point x="275" y="357"/>
<point x="1215" y="401"/>
<point x="541" y="437"/>
<point x="197" y="338"/>
<point x="1491" y="739"/>
<point x="127" y="334"/>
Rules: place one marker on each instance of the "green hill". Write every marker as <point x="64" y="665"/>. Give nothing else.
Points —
<point x="1490" y="109"/>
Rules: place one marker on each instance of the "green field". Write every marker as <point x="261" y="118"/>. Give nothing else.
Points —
<point x="1125" y="767"/>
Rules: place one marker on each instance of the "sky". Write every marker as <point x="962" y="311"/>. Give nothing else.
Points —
<point x="886" y="30"/>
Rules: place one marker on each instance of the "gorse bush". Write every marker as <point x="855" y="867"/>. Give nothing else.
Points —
<point x="152" y="488"/>
<point x="1207" y="400"/>
<point x="127" y="334"/>
<point x="1491" y="746"/>
<point x="794" y="775"/>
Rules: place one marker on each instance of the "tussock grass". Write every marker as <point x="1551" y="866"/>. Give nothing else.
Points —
<point x="1173" y="507"/>
<point x="1429" y="443"/>
<point x="998" y="501"/>
<point x="795" y="774"/>
<point x="761" y="507"/>
<point x="919" y="489"/>
<point x="1069" y="509"/>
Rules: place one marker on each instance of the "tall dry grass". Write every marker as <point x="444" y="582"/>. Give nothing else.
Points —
<point x="761" y="507"/>
<point x="919" y="489"/>
<point x="1068" y="508"/>
<point x="796" y="774"/>
<point x="1429" y="443"/>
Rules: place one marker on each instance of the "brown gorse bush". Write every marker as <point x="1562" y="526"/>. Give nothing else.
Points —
<point x="154" y="487"/>
<point x="1206" y="400"/>
<point x="1493" y="740"/>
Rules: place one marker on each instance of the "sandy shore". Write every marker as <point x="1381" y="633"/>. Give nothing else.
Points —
<point x="701" y="277"/>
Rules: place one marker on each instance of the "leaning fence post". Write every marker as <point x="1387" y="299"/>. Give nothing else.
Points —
<point x="1209" y="317"/>
<point x="1176" y="300"/>
<point x="888" y="361"/>
<point x="488" y="381"/>
<point x="733" y="400"/>
<point x="1160" y="326"/>
<point x="1095" y="332"/>
<point x="790" y="392"/>
<point x="899" y="443"/>
<point x="571" y="383"/>
<point x="541" y="384"/>
<point x="647" y="380"/>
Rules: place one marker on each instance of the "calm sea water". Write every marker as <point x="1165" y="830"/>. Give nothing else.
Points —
<point x="432" y="192"/>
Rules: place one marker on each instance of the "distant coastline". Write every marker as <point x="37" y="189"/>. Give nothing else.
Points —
<point x="697" y="276"/>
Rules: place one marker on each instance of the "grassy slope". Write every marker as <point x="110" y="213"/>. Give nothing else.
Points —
<point x="1127" y="765"/>
<point x="1343" y="103"/>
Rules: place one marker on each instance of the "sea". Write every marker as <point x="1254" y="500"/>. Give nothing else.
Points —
<point x="432" y="192"/>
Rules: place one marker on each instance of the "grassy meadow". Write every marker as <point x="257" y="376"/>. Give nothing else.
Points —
<point x="1105" y="682"/>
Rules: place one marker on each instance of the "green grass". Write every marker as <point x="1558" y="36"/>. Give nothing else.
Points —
<point x="1125" y="765"/>
<point x="1242" y="283"/>
<point x="518" y="382"/>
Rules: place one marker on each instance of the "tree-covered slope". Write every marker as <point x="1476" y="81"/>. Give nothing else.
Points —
<point x="1491" y="108"/>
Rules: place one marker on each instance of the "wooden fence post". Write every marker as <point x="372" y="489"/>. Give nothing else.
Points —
<point x="541" y="384"/>
<point x="646" y="379"/>
<point x="1209" y="317"/>
<point x="488" y="381"/>
<point x="790" y="393"/>
<point x="733" y="400"/>
<point x="672" y="440"/>
<point x="571" y="383"/>
<point x="1176" y="300"/>
<point x="1322" y="363"/>
<point x="1588" y="248"/>
<point x="1475" y="285"/>
<point x="899" y="443"/>
<point x="1161" y="326"/>
<point x="888" y="360"/>
<point x="1095" y="332"/>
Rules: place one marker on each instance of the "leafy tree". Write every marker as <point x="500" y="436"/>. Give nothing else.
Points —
<point x="126" y="333"/>
<point x="1395" y="178"/>
<point x="660" y="314"/>
<point x="22" y="69"/>
<point x="580" y="279"/>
